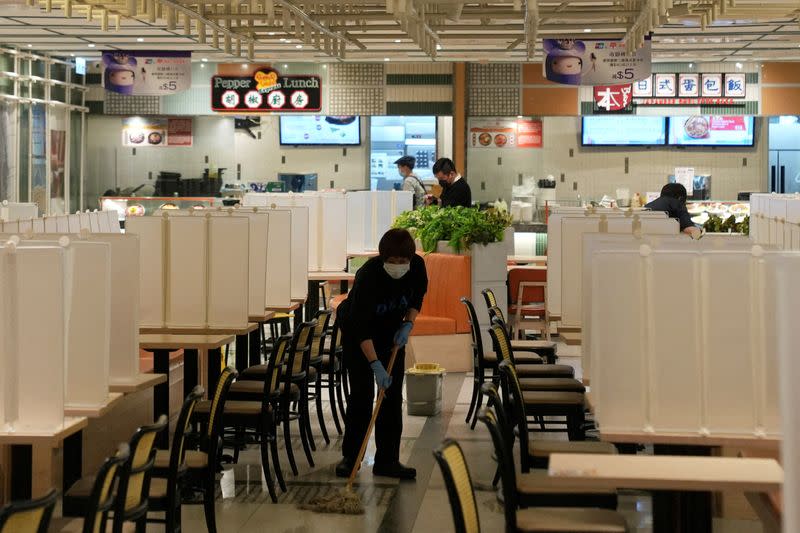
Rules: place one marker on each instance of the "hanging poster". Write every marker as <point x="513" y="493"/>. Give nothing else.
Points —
<point x="688" y="85"/>
<point x="735" y="85"/>
<point x="594" y="62"/>
<point x="156" y="132"/>
<point x="506" y="133"/>
<point x="143" y="73"/>
<point x="685" y="176"/>
<point x="266" y="91"/>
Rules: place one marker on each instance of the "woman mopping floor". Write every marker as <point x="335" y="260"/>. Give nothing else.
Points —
<point x="379" y="313"/>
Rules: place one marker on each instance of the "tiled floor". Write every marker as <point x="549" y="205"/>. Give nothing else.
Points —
<point x="414" y="507"/>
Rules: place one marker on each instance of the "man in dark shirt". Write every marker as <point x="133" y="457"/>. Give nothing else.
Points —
<point x="379" y="312"/>
<point x="673" y="202"/>
<point x="456" y="190"/>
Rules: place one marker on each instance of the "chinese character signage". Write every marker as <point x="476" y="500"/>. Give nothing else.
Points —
<point x="493" y="133"/>
<point x="688" y="85"/>
<point x="594" y="62"/>
<point x="735" y="85"/>
<point x="156" y="132"/>
<point x="266" y="91"/>
<point x="147" y="73"/>
<point x="643" y="88"/>
<point x="711" y="85"/>
<point x="665" y="85"/>
<point x="613" y="98"/>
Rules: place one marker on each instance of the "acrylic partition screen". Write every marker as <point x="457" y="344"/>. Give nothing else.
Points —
<point x="555" y="244"/>
<point x="186" y="272"/>
<point x="228" y="271"/>
<point x="32" y="381"/>
<point x="719" y="376"/>
<point x="279" y="261"/>
<point x="152" y="262"/>
<point x="331" y="245"/>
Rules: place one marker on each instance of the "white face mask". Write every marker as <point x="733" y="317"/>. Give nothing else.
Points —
<point x="397" y="271"/>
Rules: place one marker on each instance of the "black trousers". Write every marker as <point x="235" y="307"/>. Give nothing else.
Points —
<point x="389" y="425"/>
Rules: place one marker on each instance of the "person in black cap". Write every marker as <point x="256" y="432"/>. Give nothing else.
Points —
<point x="673" y="202"/>
<point x="411" y="182"/>
<point x="456" y="190"/>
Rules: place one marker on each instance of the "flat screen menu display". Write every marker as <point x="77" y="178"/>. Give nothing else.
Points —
<point x="623" y="130"/>
<point x="711" y="130"/>
<point x="319" y="130"/>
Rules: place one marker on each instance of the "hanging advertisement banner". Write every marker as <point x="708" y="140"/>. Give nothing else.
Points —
<point x="143" y="73"/>
<point x="594" y="62"/>
<point x="157" y="132"/>
<point x="509" y="133"/>
<point x="266" y="91"/>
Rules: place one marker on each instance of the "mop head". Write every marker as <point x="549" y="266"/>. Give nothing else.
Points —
<point x="342" y="501"/>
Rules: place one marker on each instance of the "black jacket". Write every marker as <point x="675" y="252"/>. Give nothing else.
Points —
<point x="377" y="304"/>
<point x="456" y="194"/>
<point x="674" y="209"/>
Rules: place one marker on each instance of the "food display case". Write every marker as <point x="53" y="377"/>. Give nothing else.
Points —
<point x="715" y="217"/>
<point x="127" y="206"/>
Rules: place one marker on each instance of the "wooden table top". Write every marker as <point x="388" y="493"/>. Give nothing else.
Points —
<point x="293" y="307"/>
<point x="168" y="341"/>
<point x="266" y="317"/>
<point x="656" y="472"/>
<point x="331" y="276"/>
<point x="139" y="383"/>
<point x="509" y="268"/>
<point x="96" y="412"/>
<point x="53" y="439"/>
<point x="571" y="338"/>
<point x="251" y="326"/>
<point x="536" y="259"/>
<point x="685" y="439"/>
<point x="365" y="253"/>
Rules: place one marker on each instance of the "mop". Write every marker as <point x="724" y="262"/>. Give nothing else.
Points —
<point x="347" y="501"/>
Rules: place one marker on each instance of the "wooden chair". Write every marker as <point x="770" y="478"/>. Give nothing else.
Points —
<point x="528" y="304"/>
<point x="101" y="498"/>
<point x="202" y="451"/>
<point x="481" y="361"/>
<point x="165" y="493"/>
<point x="131" y="501"/>
<point x="32" y="516"/>
<point x="295" y="390"/>
<point x="536" y="451"/>
<point x="333" y="373"/>
<point x="246" y="412"/>
<point x="552" y="512"/>
<point x="317" y="358"/>
<point x="505" y="350"/>
<point x="544" y="348"/>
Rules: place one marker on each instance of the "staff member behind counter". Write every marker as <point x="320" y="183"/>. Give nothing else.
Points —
<point x="455" y="191"/>
<point x="673" y="202"/>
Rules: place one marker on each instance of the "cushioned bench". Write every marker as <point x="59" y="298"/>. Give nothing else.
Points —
<point x="441" y="333"/>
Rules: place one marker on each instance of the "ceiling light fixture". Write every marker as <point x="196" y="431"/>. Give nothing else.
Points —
<point x="204" y="60"/>
<point x="587" y="30"/>
<point x="271" y="33"/>
<point x="91" y="45"/>
<point x="398" y="40"/>
<point x="140" y="39"/>
<point x="738" y="65"/>
<point x="73" y="55"/>
<point x="30" y="45"/>
<point x="298" y="46"/>
<point x="386" y="59"/>
<point x="691" y="65"/>
<point x="245" y="65"/>
<point x="438" y="46"/>
<point x="202" y="65"/>
<point x="283" y="39"/>
<point x="285" y="65"/>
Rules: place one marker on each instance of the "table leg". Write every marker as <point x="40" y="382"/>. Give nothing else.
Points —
<point x="254" y="347"/>
<point x="161" y="394"/>
<point x="241" y="352"/>
<point x="298" y="317"/>
<point x="214" y="369"/>
<point x="765" y="509"/>
<point x="190" y="377"/>
<point x="21" y="471"/>
<point x="682" y="511"/>
<point x="312" y="304"/>
<point x="73" y="460"/>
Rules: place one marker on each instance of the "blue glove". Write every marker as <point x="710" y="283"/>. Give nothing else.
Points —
<point x="382" y="379"/>
<point x="401" y="337"/>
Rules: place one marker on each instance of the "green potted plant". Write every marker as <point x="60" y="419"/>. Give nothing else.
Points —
<point x="458" y="228"/>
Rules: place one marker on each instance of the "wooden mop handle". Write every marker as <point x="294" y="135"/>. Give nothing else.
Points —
<point x="381" y="394"/>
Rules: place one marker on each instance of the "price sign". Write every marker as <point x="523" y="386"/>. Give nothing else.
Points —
<point x="594" y="62"/>
<point x="143" y="73"/>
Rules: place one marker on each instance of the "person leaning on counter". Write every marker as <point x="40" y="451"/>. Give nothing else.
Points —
<point x="673" y="202"/>
<point x="455" y="189"/>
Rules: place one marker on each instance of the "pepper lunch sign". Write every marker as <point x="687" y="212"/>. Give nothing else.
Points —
<point x="266" y="91"/>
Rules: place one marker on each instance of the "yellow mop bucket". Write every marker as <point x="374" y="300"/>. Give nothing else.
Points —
<point x="424" y="389"/>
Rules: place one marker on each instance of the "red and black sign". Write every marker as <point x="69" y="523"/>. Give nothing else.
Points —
<point x="688" y="101"/>
<point x="266" y="91"/>
<point x="613" y="98"/>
